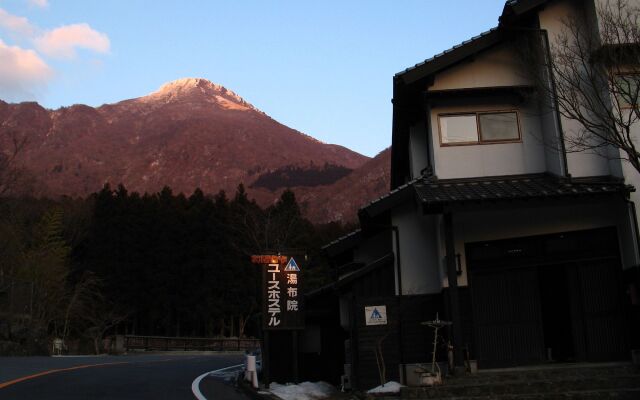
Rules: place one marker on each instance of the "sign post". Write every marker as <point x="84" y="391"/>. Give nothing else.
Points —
<point x="282" y="305"/>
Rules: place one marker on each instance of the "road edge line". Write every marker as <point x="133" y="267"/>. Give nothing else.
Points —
<point x="53" y="371"/>
<point x="195" y="385"/>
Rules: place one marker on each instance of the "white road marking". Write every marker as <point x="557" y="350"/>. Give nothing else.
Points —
<point x="195" y="386"/>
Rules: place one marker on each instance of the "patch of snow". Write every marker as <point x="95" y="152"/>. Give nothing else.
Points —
<point x="303" y="391"/>
<point x="230" y="105"/>
<point x="389" y="387"/>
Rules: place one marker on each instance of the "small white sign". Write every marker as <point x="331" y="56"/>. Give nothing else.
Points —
<point x="375" y="315"/>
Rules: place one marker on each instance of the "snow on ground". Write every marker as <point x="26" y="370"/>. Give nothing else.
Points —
<point x="303" y="391"/>
<point x="389" y="387"/>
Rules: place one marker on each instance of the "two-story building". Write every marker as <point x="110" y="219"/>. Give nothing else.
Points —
<point x="529" y="249"/>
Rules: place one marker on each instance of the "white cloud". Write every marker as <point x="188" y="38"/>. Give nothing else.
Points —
<point x="62" y="42"/>
<point x="16" y="25"/>
<point x="22" y="72"/>
<point x="39" y="3"/>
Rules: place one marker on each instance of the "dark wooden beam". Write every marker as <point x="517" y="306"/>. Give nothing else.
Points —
<point x="454" y="296"/>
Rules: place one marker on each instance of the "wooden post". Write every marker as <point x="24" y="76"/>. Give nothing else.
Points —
<point x="265" y="338"/>
<point x="454" y="297"/>
<point x="353" y="342"/>
<point x="265" y="360"/>
<point x="294" y="334"/>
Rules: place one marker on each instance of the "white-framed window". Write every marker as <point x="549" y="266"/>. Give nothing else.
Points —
<point x="482" y="127"/>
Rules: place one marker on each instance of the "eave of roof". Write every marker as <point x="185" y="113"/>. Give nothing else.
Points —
<point x="328" y="288"/>
<point x="515" y="8"/>
<point x="479" y="91"/>
<point x="397" y="196"/>
<point x="380" y="262"/>
<point x="435" y="195"/>
<point x="343" y="243"/>
<point x="449" y="57"/>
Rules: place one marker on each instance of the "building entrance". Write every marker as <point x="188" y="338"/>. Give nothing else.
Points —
<point x="551" y="298"/>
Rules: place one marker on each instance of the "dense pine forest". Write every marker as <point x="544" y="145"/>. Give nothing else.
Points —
<point x="153" y="264"/>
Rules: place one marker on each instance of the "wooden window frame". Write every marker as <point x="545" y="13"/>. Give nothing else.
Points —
<point x="630" y="106"/>
<point x="480" y="141"/>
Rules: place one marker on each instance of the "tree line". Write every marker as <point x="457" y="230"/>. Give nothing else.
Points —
<point x="152" y="264"/>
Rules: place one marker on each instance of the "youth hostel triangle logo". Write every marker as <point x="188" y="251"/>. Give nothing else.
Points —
<point x="292" y="266"/>
<point x="375" y="315"/>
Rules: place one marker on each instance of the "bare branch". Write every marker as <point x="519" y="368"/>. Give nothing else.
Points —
<point x="596" y="70"/>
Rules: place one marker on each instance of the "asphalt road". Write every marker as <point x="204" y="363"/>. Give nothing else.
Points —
<point x="120" y="377"/>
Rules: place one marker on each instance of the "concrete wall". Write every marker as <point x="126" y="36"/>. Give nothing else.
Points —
<point x="419" y="254"/>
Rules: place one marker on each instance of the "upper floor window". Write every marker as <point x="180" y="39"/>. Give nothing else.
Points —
<point x="479" y="127"/>
<point x="627" y="90"/>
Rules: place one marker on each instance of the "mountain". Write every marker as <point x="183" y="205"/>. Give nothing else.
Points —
<point x="190" y="133"/>
<point x="347" y="195"/>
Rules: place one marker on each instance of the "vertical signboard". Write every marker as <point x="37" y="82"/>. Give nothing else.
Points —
<point x="282" y="295"/>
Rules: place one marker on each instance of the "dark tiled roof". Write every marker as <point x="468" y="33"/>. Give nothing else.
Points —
<point x="396" y="196"/>
<point x="515" y="8"/>
<point x="513" y="188"/>
<point x="343" y="243"/>
<point x="380" y="262"/>
<point x="352" y="276"/>
<point x="345" y="237"/>
<point x="466" y="44"/>
<point x="470" y="46"/>
<point x="434" y="194"/>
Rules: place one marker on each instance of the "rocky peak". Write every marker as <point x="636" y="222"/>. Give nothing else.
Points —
<point x="192" y="89"/>
<point x="187" y="85"/>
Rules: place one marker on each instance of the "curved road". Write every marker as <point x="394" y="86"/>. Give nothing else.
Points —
<point x="155" y="377"/>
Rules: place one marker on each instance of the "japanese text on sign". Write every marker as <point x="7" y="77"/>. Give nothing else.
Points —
<point x="282" y="293"/>
<point x="273" y="295"/>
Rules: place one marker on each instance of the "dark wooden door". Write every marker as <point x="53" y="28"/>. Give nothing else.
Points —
<point x="569" y="281"/>
<point x="601" y="331"/>
<point x="506" y="311"/>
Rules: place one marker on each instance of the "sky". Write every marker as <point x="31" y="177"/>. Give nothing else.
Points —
<point x="324" y="67"/>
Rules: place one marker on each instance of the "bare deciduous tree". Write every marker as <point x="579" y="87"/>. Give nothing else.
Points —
<point x="591" y="73"/>
<point x="102" y="317"/>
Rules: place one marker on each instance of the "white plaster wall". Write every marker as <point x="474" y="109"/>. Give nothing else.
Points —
<point x="631" y="175"/>
<point x="583" y="163"/>
<point x="595" y="7"/>
<point x="418" y="250"/>
<point x="550" y="131"/>
<point x="418" y="148"/>
<point x="496" y="159"/>
<point x="552" y="18"/>
<point x="475" y="226"/>
<point x="496" y="67"/>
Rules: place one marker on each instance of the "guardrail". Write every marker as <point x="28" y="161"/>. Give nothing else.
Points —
<point x="132" y="342"/>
